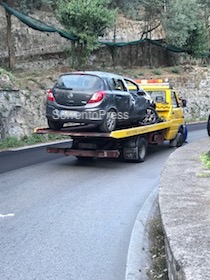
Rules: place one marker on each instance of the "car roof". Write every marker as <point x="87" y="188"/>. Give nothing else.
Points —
<point x="95" y="73"/>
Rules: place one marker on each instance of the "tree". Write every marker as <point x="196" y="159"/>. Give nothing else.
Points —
<point x="153" y="10"/>
<point x="205" y="5"/>
<point x="86" y="19"/>
<point x="198" y="42"/>
<point x="184" y="26"/>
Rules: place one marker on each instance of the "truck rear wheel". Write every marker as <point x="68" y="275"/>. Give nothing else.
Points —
<point x="135" y="149"/>
<point x="142" y="150"/>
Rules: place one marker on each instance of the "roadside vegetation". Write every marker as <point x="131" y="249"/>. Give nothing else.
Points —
<point x="158" y="268"/>
<point x="14" y="142"/>
<point x="86" y="20"/>
<point x="205" y="159"/>
<point x="22" y="78"/>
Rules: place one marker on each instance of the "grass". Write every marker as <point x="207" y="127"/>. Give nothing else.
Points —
<point x="141" y="73"/>
<point x="204" y="175"/>
<point x="4" y="71"/>
<point x="157" y="72"/>
<point x="205" y="159"/>
<point x="158" y="269"/>
<point x="14" y="142"/>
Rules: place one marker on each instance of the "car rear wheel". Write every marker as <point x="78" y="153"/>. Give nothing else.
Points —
<point x="54" y="125"/>
<point x="109" y="122"/>
<point x="150" y="117"/>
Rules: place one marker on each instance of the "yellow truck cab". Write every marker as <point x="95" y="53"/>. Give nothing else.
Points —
<point x="168" y="104"/>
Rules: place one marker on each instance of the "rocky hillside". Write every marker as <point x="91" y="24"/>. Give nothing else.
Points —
<point x="22" y="94"/>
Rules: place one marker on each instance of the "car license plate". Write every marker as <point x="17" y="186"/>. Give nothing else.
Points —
<point x="68" y="114"/>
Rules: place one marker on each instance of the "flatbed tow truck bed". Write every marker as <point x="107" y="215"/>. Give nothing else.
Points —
<point x="88" y="131"/>
<point x="128" y="143"/>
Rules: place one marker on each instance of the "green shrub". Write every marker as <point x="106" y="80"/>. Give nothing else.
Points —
<point x="157" y="72"/>
<point x="4" y="71"/>
<point x="205" y="158"/>
<point x="175" y="70"/>
<point x="141" y="73"/>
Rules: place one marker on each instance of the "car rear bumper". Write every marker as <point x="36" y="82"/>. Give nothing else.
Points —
<point x="88" y="116"/>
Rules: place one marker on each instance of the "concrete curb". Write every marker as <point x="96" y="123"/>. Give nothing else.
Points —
<point x="184" y="195"/>
<point x="137" y="258"/>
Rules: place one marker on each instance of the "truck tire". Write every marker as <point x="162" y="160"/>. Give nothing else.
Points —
<point x="134" y="150"/>
<point x="141" y="150"/>
<point x="185" y="132"/>
<point x="178" y="140"/>
<point x="208" y="126"/>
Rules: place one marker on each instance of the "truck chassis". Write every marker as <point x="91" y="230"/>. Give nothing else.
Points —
<point x="129" y="144"/>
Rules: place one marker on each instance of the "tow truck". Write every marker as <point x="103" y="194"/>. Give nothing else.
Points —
<point x="129" y="143"/>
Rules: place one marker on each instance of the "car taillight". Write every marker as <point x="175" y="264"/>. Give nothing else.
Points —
<point x="50" y="96"/>
<point x="97" y="97"/>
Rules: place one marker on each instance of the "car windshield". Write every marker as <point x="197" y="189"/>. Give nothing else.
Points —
<point x="79" y="82"/>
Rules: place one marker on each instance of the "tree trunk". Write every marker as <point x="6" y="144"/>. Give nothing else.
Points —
<point x="9" y="41"/>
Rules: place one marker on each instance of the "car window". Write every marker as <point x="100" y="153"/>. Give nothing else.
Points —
<point x="79" y="82"/>
<point x="174" y="100"/>
<point x="158" y="96"/>
<point x="111" y="84"/>
<point x="119" y="85"/>
<point x="132" y="87"/>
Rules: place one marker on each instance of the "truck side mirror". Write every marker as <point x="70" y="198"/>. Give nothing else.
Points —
<point x="184" y="102"/>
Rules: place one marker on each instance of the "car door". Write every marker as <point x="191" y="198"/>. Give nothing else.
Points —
<point x="122" y="96"/>
<point x="138" y="99"/>
<point x="177" y="116"/>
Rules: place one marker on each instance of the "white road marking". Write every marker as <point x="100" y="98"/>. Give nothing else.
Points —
<point x="7" y="215"/>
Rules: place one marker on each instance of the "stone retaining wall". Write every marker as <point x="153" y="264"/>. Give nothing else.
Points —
<point x="194" y="86"/>
<point x="21" y="111"/>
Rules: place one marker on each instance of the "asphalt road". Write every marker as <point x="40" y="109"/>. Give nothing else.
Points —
<point x="61" y="219"/>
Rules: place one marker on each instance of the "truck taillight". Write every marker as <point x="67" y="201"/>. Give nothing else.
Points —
<point x="97" y="97"/>
<point x="50" y="96"/>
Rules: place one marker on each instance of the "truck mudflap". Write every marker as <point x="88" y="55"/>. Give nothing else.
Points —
<point x="85" y="153"/>
<point x="208" y="126"/>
